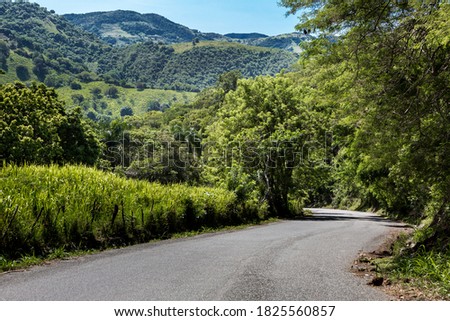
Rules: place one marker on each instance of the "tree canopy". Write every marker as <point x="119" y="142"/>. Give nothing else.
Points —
<point x="259" y="139"/>
<point x="36" y="128"/>
<point x="393" y="100"/>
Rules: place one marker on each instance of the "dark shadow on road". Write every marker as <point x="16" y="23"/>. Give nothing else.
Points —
<point x="342" y="218"/>
<point x="399" y="225"/>
<point x="321" y="217"/>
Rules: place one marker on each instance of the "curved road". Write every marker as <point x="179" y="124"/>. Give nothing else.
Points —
<point x="287" y="261"/>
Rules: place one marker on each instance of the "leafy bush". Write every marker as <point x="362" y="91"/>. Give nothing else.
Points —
<point x="77" y="98"/>
<point x="96" y="93"/>
<point x="112" y="92"/>
<point x="4" y="54"/>
<point x="53" y="80"/>
<point x="92" y="116"/>
<point x="23" y="73"/>
<point x="154" y="106"/>
<point x="126" y="111"/>
<point x="75" y="86"/>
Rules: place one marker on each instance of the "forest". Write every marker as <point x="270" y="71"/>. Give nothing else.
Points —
<point x="188" y="67"/>
<point x="360" y="122"/>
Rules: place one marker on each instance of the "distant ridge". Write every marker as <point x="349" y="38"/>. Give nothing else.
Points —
<point x="289" y="41"/>
<point x="245" y="36"/>
<point x="124" y="27"/>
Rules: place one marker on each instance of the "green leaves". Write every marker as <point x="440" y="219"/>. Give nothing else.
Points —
<point x="37" y="129"/>
<point x="259" y="138"/>
<point x="385" y="81"/>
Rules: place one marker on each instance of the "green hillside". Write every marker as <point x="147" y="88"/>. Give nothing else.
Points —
<point x="17" y="68"/>
<point x="123" y="27"/>
<point x="37" y="44"/>
<point x="188" y="66"/>
<point x="99" y="100"/>
<point x="50" y="42"/>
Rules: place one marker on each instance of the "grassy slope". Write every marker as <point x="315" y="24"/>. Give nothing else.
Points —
<point x="420" y="274"/>
<point x="138" y="100"/>
<point x="15" y="60"/>
<point x="182" y="47"/>
<point x="130" y="97"/>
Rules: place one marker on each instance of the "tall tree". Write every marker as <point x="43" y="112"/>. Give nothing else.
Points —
<point x="259" y="139"/>
<point x="394" y="99"/>
<point x="36" y="128"/>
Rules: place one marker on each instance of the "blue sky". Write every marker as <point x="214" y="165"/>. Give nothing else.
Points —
<point x="222" y="16"/>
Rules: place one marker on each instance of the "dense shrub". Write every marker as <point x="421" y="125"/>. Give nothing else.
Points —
<point x="45" y="208"/>
<point x="23" y="73"/>
<point x="112" y="92"/>
<point x="126" y="111"/>
<point x="75" y="86"/>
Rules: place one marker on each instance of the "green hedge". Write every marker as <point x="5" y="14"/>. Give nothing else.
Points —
<point x="47" y="208"/>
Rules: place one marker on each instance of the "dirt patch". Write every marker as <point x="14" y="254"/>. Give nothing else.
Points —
<point x="365" y="267"/>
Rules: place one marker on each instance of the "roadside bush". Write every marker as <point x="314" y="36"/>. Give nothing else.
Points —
<point x="46" y="208"/>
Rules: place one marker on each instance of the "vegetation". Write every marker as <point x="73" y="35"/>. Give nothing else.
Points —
<point x="393" y="114"/>
<point x="245" y="36"/>
<point x="290" y="42"/>
<point x="106" y="107"/>
<point x="48" y="40"/>
<point x="36" y="128"/>
<point x="188" y="67"/>
<point x="127" y="27"/>
<point x="39" y="45"/>
<point x="424" y="273"/>
<point x="260" y="132"/>
<point x="386" y="83"/>
<point x="75" y="208"/>
<point x="362" y="121"/>
<point x="122" y="28"/>
<point x="429" y="269"/>
<point x="205" y="63"/>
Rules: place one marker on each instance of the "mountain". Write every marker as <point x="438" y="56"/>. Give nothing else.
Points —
<point x="188" y="66"/>
<point x="290" y="41"/>
<point x="245" y="36"/>
<point x="37" y="44"/>
<point x="126" y="27"/>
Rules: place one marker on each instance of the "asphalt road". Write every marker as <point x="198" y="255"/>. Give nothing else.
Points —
<point x="286" y="261"/>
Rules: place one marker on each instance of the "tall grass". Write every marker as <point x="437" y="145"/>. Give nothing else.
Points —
<point x="427" y="269"/>
<point x="46" y="208"/>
